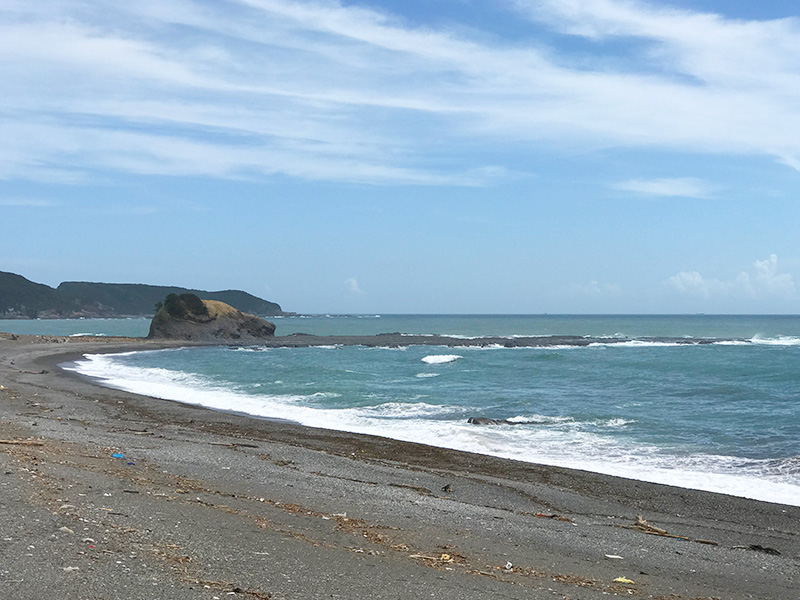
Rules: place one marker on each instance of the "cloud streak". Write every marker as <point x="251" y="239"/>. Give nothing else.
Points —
<point x="325" y="91"/>
<point x="684" y="187"/>
<point x="23" y="202"/>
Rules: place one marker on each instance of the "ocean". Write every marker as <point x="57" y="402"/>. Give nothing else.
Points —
<point x="721" y="417"/>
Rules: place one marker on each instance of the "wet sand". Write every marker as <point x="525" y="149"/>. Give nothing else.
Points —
<point x="208" y="505"/>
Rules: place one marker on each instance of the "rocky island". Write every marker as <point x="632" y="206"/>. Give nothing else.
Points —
<point x="187" y="317"/>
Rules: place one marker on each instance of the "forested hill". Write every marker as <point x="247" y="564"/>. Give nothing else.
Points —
<point x="21" y="298"/>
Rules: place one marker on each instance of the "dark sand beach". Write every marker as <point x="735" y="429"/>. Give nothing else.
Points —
<point x="205" y="505"/>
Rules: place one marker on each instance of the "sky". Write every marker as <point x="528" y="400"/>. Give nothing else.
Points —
<point x="415" y="156"/>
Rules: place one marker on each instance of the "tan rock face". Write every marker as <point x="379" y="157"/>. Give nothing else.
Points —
<point x="186" y="317"/>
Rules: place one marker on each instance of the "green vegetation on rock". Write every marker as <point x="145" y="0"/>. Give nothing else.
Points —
<point x="187" y="317"/>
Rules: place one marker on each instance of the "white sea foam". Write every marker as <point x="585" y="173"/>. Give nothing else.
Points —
<point x="559" y="441"/>
<point x="618" y="422"/>
<point x="640" y="344"/>
<point x="543" y="419"/>
<point x="407" y="410"/>
<point x="425" y="375"/>
<point x="87" y="335"/>
<point x="455" y="336"/>
<point x="438" y="359"/>
<point x="781" y="340"/>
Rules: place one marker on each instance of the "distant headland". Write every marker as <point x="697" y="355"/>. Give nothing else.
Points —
<point x="24" y="299"/>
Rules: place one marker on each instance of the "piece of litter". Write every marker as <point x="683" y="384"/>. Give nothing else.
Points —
<point x="118" y="455"/>
<point x="615" y="556"/>
<point x="71" y="569"/>
<point x="509" y="566"/>
<point x="66" y="530"/>
<point x="623" y="580"/>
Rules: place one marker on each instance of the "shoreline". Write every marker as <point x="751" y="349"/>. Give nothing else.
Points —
<point x="424" y="518"/>
<point x="752" y="487"/>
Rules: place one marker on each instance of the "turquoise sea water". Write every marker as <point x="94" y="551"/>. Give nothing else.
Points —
<point x="722" y="417"/>
<point x="135" y="327"/>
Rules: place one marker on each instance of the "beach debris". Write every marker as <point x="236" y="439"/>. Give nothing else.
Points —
<point x="758" y="548"/>
<point x="71" y="569"/>
<point x="447" y="488"/>
<point x="642" y="525"/>
<point x="66" y="530"/>
<point x="509" y="566"/>
<point x="614" y="556"/>
<point x="623" y="580"/>
<point x="553" y="516"/>
<point x="442" y="558"/>
<point x="22" y="442"/>
<point x="118" y="455"/>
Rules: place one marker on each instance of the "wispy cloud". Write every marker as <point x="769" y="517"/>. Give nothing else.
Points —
<point x="684" y="187"/>
<point x="763" y="281"/>
<point x="27" y="202"/>
<point x="322" y="90"/>
<point x="352" y="286"/>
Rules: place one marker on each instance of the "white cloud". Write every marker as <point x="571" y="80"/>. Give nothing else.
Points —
<point x="27" y="202"/>
<point x="766" y="279"/>
<point x="762" y="281"/>
<point x="322" y="90"/>
<point x="352" y="286"/>
<point x="685" y="187"/>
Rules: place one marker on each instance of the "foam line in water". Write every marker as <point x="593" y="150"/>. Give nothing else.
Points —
<point x="781" y="340"/>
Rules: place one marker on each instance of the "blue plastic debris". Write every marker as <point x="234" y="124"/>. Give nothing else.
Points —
<point x="118" y="455"/>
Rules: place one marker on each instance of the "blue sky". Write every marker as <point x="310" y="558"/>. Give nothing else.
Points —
<point x="437" y="156"/>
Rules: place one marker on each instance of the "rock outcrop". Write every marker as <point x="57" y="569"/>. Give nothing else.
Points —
<point x="187" y="317"/>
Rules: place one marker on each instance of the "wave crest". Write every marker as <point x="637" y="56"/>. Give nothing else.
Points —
<point x="438" y="359"/>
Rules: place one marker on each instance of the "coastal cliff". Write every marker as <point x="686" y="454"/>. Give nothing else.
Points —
<point x="187" y="317"/>
<point x="24" y="299"/>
